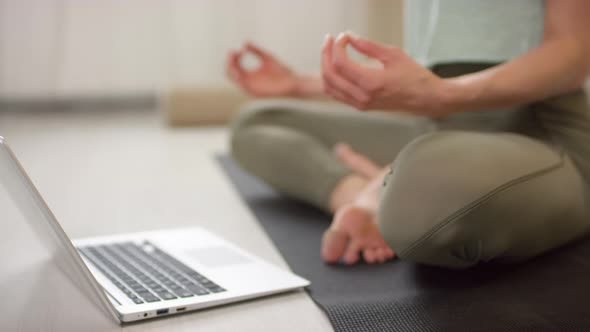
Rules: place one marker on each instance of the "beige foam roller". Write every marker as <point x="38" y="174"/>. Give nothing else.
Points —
<point x="201" y="106"/>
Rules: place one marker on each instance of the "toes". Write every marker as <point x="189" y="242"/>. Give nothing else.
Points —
<point x="352" y="254"/>
<point x="334" y="245"/>
<point x="370" y="255"/>
<point x="389" y="253"/>
<point x="353" y="232"/>
<point x="380" y="255"/>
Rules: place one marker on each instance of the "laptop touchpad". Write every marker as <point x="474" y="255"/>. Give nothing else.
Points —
<point x="217" y="256"/>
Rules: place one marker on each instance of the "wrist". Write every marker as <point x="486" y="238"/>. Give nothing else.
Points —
<point x="453" y="95"/>
<point x="308" y="86"/>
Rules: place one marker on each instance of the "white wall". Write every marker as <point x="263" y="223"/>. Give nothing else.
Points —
<point x="66" y="48"/>
<point x="27" y="47"/>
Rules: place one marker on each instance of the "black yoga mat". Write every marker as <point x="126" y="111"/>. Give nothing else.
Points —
<point x="549" y="293"/>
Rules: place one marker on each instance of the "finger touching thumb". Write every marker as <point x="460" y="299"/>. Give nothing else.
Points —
<point x="259" y="52"/>
<point x="379" y="51"/>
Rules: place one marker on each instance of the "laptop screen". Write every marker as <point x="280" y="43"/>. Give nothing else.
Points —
<point x="17" y="187"/>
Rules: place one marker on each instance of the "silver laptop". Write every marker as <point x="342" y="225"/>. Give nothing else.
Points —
<point x="149" y="274"/>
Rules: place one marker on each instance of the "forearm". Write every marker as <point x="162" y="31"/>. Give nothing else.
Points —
<point x="553" y="68"/>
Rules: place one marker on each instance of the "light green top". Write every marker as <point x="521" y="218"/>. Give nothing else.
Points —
<point x="447" y="31"/>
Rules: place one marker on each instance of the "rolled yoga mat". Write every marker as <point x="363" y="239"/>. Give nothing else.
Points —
<point x="548" y="293"/>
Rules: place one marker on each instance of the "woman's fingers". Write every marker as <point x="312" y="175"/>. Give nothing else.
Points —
<point x="338" y="95"/>
<point x="235" y="72"/>
<point x="325" y="63"/>
<point x="259" y="52"/>
<point x="233" y="67"/>
<point x="356" y="161"/>
<point x="334" y="82"/>
<point x="383" y="53"/>
<point x="348" y="69"/>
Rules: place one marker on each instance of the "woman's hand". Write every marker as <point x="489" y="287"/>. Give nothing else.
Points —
<point x="400" y="83"/>
<point x="270" y="78"/>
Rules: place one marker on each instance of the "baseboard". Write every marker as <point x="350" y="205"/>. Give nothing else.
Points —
<point x="90" y="103"/>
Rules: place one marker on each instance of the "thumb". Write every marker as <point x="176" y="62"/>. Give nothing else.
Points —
<point x="379" y="51"/>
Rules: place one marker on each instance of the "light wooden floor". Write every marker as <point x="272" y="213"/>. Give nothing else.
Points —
<point x="123" y="171"/>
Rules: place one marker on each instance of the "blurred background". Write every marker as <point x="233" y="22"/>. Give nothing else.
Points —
<point x="70" y="51"/>
<point x="99" y="99"/>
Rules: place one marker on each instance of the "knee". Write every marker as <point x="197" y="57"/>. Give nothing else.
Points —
<point x="424" y="201"/>
<point x="242" y="137"/>
<point x="257" y="113"/>
<point x="262" y="112"/>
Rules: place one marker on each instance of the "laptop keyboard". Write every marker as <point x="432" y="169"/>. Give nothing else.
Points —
<point x="147" y="274"/>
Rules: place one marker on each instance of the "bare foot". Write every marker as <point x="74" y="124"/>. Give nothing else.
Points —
<point x="346" y="191"/>
<point x="353" y="232"/>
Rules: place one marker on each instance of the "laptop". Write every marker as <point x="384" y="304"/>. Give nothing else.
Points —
<point x="147" y="274"/>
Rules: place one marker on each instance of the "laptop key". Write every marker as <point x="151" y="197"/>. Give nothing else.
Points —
<point x="182" y="280"/>
<point x="181" y="292"/>
<point x="217" y="289"/>
<point x="198" y="290"/>
<point x="210" y="285"/>
<point x="166" y="296"/>
<point x="139" y="289"/>
<point x="186" y="282"/>
<point x="151" y="299"/>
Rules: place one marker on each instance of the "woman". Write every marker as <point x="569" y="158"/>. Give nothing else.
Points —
<point x="494" y="163"/>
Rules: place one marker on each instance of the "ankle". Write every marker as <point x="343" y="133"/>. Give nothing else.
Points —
<point x="346" y="190"/>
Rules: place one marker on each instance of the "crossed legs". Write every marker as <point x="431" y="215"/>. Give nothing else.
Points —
<point x="453" y="198"/>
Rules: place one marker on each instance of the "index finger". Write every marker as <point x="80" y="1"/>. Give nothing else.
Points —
<point x="231" y="71"/>
<point x="234" y="62"/>
<point x="351" y="70"/>
<point x="257" y="51"/>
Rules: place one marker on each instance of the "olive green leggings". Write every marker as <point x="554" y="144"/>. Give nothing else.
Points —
<point x="461" y="191"/>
